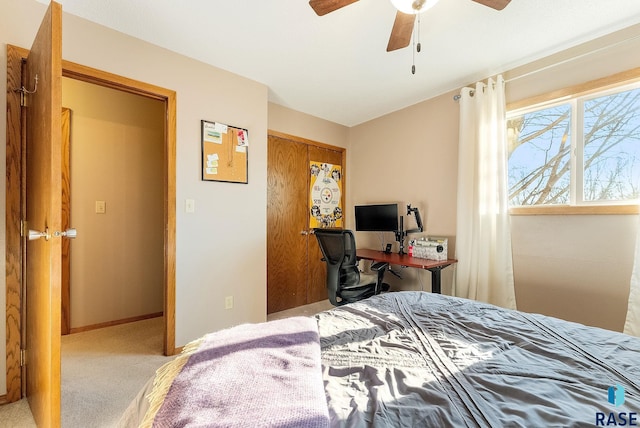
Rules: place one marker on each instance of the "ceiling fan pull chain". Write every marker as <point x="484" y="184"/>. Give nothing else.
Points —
<point x="413" y="66"/>
<point x="418" y="46"/>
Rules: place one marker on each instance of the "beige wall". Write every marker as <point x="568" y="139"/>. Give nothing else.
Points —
<point x="573" y="267"/>
<point x="409" y="157"/>
<point x="221" y="248"/>
<point x="391" y="165"/>
<point x="117" y="148"/>
<point x="302" y="125"/>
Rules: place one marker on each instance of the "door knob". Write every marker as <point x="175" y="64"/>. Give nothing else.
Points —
<point x="304" y="232"/>
<point x="35" y="234"/>
<point x="69" y="233"/>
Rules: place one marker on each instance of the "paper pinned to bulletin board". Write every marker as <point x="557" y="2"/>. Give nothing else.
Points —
<point x="325" y="202"/>
<point x="224" y="152"/>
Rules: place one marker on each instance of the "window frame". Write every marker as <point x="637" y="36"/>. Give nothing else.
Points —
<point x="576" y="95"/>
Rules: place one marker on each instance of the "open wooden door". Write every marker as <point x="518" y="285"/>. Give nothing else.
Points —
<point x="43" y="214"/>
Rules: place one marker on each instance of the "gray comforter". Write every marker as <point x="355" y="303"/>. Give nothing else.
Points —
<point x="415" y="359"/>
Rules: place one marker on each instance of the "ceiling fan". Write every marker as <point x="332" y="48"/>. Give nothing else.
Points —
<point x="405" y="17"/>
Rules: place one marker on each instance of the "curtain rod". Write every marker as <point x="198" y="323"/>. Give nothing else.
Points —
<point x="546" y="67"/>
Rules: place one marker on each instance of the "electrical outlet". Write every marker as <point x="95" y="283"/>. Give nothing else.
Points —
<point x="228" y="302"/>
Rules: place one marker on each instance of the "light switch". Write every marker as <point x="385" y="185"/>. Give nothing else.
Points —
<point x="228" y="302"/>
<point x="190" y="206"/>
<point x="101" y="207"/>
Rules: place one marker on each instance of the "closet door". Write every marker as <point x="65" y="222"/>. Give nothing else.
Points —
<point x="287" y="224"/>
<point x="317" y="288"/>
<point x="296" y="275"/>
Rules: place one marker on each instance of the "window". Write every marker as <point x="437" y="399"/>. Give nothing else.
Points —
<point x="584" y="150"/>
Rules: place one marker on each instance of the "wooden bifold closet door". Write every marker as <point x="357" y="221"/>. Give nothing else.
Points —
<point x="295" y="274"/>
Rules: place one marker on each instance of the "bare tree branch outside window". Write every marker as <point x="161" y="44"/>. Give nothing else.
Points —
<point x="540" y="151"/>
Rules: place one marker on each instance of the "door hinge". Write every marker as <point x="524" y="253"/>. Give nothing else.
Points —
<point x="23" y="357"/>
<point x="23" y="99"/>
<point x="23" y="227"/>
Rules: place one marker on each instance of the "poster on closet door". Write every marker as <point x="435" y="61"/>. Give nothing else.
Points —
<point x="325" y="195"/>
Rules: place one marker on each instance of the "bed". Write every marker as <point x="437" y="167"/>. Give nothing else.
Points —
<point x="401" y="359"/>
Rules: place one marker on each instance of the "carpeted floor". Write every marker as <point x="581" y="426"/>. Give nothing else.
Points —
<point x="16" y="415"/>
<point x="306" y="310"/>
<point x="103" y="370"/>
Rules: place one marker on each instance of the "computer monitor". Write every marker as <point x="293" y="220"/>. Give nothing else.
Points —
<point x="377" y="218"/>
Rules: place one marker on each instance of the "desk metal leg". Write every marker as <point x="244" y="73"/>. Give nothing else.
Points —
<point x="436" y="278"/>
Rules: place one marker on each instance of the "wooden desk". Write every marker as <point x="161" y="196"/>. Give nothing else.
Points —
<point x="433" y="266"/>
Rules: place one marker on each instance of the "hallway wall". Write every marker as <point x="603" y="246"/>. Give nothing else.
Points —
<point x="117" y="147"/>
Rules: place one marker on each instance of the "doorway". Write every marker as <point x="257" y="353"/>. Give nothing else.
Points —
<point x="15" y="190"/>
<point x="112" y="192"/>
<point x="296" y="275"/>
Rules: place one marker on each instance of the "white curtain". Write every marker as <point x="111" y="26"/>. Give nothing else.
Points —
<point x="483" y="237"/>
<point x="632" y="324"/>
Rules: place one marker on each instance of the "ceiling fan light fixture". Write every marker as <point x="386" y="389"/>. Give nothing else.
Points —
<point x="413" y="6"/>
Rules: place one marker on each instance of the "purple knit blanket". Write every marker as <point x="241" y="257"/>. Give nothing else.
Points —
<point x="252" y="375"/>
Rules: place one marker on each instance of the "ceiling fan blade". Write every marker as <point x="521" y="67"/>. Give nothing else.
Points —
<point x="494" y="4"/>
<point x="322" y="7"/>
<point x="401" y="31"/>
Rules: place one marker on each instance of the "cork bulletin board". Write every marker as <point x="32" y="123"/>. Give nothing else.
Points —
<point x="224" y="152"/>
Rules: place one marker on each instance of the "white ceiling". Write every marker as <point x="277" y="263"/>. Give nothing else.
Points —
<point x="336" y="66"/>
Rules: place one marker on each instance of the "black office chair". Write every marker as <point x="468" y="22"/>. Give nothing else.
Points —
<point x="345" y="283"/>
